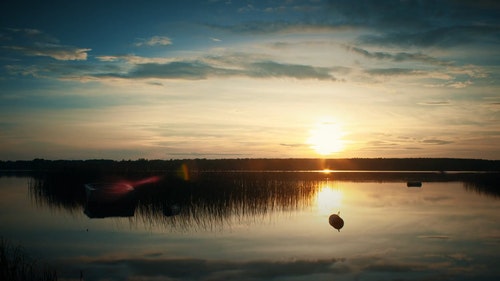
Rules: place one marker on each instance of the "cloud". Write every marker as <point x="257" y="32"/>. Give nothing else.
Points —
<point x="107" y="58"/>
<point x="61" y="70"/>
<point x="394" y="71"/>
<point x="58" y="52"/>
<point x="34" y="42"/>
<point x="293" y="144"/>
<point x="29" y="34"/>
<point x="436" y="141"/>
<point x="416" y="15"/>
<point x="133" y="59"/>
<point x="265" y="27"/>
<point x="30" y="31"/>
<point x="398" y="57"/>
<point x="154" y="41"/>
<point x="440" y="37"/>
<point x="195" y="68"/>
<point x="437" y="237"/>
<point x="368" y="266"/>
<point x="178" y="69"/>
<point x="444" y="23"/>
<point x="459" y="84"/>
<point x="435" y="103"/>
<point x="212" y="66"/>
<point x="274" y="69"/>
<point x="114" y="268"/>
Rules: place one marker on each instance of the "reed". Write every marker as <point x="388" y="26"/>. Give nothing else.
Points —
<point x="16" y="265"/>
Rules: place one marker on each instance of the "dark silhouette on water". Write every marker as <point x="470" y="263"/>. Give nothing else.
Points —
<point x="103" y="167"/>
<point x="336" y="221"/>
<point x="213" y="199"/>
<point x="171" y="210"/>
<point x="414" y="184"/>
<point x="110" y="200"/>
<point x="113" y="199"/>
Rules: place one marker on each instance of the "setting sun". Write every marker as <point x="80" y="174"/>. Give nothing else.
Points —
<point x="326" y="138"/>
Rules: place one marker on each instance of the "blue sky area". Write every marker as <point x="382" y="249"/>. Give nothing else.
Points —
<point x="238" y="79"/>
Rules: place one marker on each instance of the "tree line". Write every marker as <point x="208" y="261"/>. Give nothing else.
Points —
<point x="248" y="164"/>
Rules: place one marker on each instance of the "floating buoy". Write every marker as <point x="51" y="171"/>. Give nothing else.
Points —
<point x="414" y="184"/>
<point x="336" y="221"/>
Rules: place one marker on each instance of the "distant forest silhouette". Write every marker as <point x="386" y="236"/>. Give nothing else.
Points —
<point x="294" y="164"/>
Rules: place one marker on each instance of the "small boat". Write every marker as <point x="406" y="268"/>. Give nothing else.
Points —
<point x="110" y="200"/>
<point x="414" y="184"/>
<point x="107" y="192"/>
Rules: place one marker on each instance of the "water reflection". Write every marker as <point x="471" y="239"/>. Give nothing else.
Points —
<point x="110" y="200"/>
<point x="214" y="199"/>
<point x="328" y="198"/>
<point x="392" y="232"/>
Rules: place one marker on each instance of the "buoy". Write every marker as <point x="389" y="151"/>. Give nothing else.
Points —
<point x="336" y="221"/>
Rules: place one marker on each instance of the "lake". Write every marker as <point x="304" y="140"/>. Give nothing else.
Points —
<point x="259" y="226"/>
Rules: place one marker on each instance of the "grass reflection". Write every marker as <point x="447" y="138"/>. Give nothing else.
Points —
<point x="219" y="199"/>
<point x="214" y="199"/>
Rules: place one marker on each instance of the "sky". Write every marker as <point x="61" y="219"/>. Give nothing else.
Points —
<point x="249" y="79"/>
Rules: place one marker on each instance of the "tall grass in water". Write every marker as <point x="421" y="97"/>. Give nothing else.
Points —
<point x="16" y="265"/>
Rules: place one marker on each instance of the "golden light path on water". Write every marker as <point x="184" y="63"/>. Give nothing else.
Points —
<point x="328" y="199"/>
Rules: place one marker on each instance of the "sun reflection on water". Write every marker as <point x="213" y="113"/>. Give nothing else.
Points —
<point x="328" y="199"/>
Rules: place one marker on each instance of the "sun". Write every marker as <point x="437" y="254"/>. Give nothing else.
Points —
<point x="326" y="138"/>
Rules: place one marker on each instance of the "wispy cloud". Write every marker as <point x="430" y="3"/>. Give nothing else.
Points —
<point x="265" y="27"/>
<point x="439" y="37"/>
<point x="34" y="42"/>
<point x="275" y="69"/>
<point x="154" y="41"/>
<point x="134" y="59"/>
<point x="213" y="66"/>
<point x="394" y="71"/>
<point x="200" y="269"/>
<point x="435" y="103"/>
<point x="436" y="141"/>
<point x="441" y="24"/>
<point x="58" y="52"/>
<point x="156" y="266"/>
<point x="398" y="57"/>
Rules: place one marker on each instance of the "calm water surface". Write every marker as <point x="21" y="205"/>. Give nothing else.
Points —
<point x="260" y="226"/>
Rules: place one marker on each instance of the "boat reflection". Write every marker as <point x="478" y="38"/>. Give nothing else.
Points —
<point x="110" y="200"/>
